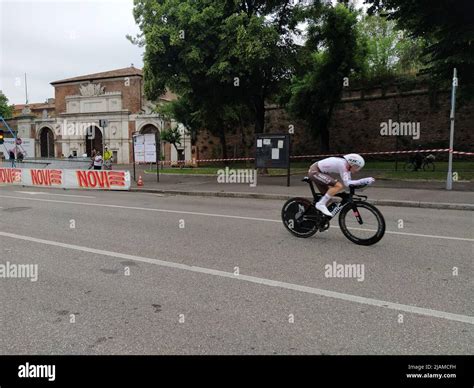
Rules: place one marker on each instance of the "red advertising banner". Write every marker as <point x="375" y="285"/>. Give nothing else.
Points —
<point x="67" y="179"/>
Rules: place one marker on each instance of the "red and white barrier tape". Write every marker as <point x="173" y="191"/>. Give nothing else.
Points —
<point x="374" y="153"/>
<point x="319" y="156"/>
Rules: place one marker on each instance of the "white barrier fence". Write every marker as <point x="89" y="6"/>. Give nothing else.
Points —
<point x="66" y="179"/>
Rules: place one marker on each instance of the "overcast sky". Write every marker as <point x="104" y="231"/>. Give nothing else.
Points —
<point x="52" y="40"/>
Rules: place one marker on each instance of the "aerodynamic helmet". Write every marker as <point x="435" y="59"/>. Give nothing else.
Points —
<point x="355" y="160"/>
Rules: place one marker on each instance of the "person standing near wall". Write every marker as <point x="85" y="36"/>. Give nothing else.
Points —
<point x="108" y="159"/>
<point x="98" y="161"/>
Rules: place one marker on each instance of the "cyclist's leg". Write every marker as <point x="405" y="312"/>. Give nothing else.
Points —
<point x="328" y="186"/>
<point x="319" y="179"/>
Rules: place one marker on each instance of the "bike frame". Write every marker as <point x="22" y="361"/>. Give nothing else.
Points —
<point x="347" y="199"/>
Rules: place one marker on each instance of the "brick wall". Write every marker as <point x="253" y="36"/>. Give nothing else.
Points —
<point x="355" y="125"/>
<point x="131" y="94"/>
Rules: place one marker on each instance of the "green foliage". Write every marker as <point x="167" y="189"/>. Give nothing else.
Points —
<point x="448" y="28"/>
<point x="227" y="56"/>
<point x="335" y="53"/>
<point x="171" y="136"/>
<point x="6" y="111"/>
<point x="389" y="50"/>
<point x="183" y="111"/>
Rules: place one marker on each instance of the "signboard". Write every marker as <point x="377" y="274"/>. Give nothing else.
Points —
<point x="25" y="145"/>
<point x="139" y="148"/>
<point x="144" y="147"/>
<point x="66" y="179"/>
<point x="150" y="148"/>
<point x="272" y="151"/>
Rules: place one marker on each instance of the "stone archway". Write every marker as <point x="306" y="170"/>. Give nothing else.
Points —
<point x="94" y="140"/>
<point x="46" y="139"/>
<point x="149" y="128"/>
<point x="153" y="129"/>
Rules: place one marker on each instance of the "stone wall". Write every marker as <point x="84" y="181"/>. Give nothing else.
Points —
<point x="356" y="124"/>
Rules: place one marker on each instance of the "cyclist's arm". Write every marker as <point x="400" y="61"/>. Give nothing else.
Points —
<point x="346" y="179"/>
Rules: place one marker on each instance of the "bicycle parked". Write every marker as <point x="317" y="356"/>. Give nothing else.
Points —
<point x="427" y="164"/>
<point x="360" y="222"/>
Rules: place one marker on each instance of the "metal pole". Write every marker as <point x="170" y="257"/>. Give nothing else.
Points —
<point x="157" y="155"/>
<point x="133" y="159"/>
<point x="396" y="139"/>
<point x="288" y="156"/>
<point x="26" y="91"/>
<point x="449" y="180"/>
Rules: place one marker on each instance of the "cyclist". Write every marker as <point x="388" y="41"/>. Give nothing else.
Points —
<point x="418" y="159"/>
<point x="327" y="185"/>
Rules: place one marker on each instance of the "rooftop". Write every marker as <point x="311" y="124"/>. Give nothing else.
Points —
<point x="124" y="72"/>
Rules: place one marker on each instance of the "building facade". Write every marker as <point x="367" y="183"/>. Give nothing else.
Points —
<point x="93" y="111"/>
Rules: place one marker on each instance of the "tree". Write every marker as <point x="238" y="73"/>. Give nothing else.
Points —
<point x="227" y="55"/>
<point x="6" y="111"/>
<point x="448" y="27"/>
<point x="182" y="39"/>
<point x="184" y="111"/>
<point x="259" y="50"/>
<point x="334" y="53"/>
<point x="390" y="52"/>
<point x="171" y="136"/>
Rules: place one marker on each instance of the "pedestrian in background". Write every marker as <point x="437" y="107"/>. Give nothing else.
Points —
<point x="11" y="155"/>
<point x="93" y="153"/>
<point x="98" y="161"/>
<point x="107" y="159"/>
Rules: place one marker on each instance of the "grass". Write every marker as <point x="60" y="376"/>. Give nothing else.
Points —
<point x="377" y="169"/>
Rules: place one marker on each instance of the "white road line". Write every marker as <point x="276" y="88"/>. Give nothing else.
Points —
<point x="58" y="195"/>
<point x="141" y="208"/>
<point x="221" y="216"/>
<point x="414" y="234"/>
<point x="257" y="280"/>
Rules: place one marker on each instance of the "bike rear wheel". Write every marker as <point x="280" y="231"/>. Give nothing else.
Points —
<point x="362" y="223"/>
<point x="428" y="166"/>
<point x="294" y="216"/>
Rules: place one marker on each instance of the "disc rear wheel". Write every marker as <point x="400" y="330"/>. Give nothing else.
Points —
<point x="299" y="217"/>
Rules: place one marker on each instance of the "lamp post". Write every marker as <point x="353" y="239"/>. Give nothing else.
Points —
<point x="449" y="180"/>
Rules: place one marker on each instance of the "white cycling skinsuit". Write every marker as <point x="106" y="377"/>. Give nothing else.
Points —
<point x="318" y="174"/>
<point x="339" y="166"/>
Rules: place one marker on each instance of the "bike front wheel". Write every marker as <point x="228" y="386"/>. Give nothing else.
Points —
<point x="297" y="214"/>
<point x="409" y="166"/>
<point x="362" y="223"/>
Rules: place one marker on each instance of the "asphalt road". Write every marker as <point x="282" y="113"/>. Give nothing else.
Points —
<point x="138" y="273"/>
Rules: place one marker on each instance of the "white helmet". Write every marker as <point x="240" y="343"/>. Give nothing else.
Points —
<point x="355" y="160"/>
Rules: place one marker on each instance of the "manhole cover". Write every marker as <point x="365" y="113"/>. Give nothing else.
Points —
<point x="16" y="209"/>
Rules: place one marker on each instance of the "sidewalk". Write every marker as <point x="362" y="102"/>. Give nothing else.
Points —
<point x="388" y="193"/>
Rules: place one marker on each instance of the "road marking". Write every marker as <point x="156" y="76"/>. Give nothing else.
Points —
<point x="414" y="234"/>
<point x="142" y="208"/>
<point x="59" y="195"/>
<point x="257" y="280"/>
<point x="222" y="216"/>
